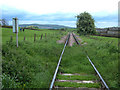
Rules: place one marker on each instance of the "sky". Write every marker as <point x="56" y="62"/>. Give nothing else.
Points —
<point x="60" y="12"/>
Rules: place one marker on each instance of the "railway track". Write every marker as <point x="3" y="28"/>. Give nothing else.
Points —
<point x="101" y="80"/>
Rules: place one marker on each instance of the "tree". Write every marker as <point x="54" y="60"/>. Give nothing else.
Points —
<point x="4" y="22"/>
<point x="85" y="23"/>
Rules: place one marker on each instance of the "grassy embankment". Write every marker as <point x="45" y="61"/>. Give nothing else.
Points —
<point x="32" y="64"/>
<point x="74" y="61"/>
<point x="103" y="51"/>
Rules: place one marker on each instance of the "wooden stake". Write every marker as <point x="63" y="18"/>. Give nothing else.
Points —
<point x="41" y="36"/>
<point x="11" y="38"/>
<point x="34" y="37"/>
<point x="45" y="34"/>
<point x="24" y="38"/>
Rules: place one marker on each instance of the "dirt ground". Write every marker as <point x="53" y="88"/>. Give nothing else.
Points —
<point x="71" y="40"/>
<point x="80" y="40"/>
<point x="63" y="39"/>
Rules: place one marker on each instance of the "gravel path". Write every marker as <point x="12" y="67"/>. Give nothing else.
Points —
<point x="63" y="39"/>
<point x="80" y="40"/>
<point x="71" y="40"/>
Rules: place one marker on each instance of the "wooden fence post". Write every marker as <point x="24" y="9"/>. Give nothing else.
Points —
<point x="34" y="37"/>
<point x="24" y="38"/>
<point x="11" y="38"/>
<point x="41" y="36"/>
<point x="45" y="34"/>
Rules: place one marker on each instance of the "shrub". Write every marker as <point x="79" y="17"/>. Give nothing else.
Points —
<point x="85" y="23"/>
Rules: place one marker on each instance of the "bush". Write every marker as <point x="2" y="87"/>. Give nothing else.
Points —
<point x="9" y="82"/>
<point x="31" y="64"/>
<point x="85" y="24"/>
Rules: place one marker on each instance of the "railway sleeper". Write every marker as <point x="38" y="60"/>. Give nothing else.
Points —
<point x="76" y="81"/>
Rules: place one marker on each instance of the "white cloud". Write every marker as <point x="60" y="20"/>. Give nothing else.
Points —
<point x="71" y="6"/>
<point x="99" y="8"/>
<point x="106" y="24"/>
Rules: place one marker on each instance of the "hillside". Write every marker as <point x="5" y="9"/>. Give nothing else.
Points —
<point x="45" y="26"/>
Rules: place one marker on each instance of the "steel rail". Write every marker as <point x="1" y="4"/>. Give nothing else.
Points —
<point x="53" y="80"/>
<point x="76" y="39"/>
<point x="106" y="86"/>
<point x="98" y="74"/>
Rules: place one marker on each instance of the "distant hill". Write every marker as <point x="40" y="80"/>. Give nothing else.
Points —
<point x="45" y="26"/>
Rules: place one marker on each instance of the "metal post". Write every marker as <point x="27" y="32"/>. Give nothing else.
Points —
<point x="16" y="32"/>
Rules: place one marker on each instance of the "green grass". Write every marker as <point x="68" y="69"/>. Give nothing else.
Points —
<point x="75" y="61"/>
<point x="75" y="85"/>
<point x="32" y="64"/>
<point x="29" y="34"/>
<point x="77" y="77"/>
<point x="103" y="51"/>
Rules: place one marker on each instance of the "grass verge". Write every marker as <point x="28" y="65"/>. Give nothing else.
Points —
<point x="76" y="85"/>
<point x="77" y="77"/>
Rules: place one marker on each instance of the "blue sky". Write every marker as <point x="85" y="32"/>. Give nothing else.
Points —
<point x="61" y="12"/>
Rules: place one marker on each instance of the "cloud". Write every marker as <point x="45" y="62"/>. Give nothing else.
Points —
<point x="63" y="6"/>
<point x="24" y="15"/>
<point x="67" y="19"/>
<point x="106" y="24"/>
<point x="9" y="13"/>
<point x="108" y="18"/>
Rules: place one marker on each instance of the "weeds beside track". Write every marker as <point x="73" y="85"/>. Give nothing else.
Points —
<point x="104" y="85"/>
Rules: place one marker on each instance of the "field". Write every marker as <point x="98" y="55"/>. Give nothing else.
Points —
<point x="32" y="64"/>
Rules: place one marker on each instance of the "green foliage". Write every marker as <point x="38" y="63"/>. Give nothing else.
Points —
<point x="85" y="23"/>
<point x="29" y="63"/>
<point x="32" y="64"/>
<point x="75" y="85"/>
<point x="103" y="51"/>
<point x="9" y="82"/>
<point x="77" y="77"/>
<point x="75" y="62"/>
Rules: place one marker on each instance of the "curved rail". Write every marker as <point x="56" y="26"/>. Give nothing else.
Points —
<point x="104" y="83"/>
<point x="53" y="80"/>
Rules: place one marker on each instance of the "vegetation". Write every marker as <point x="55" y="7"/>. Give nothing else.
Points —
<point x="76" y="63"/>
<point x="4" y="22"/>
<point x="77" y="77"/>
<point x="85" y="23"/>
<point x="75" y="85"/>
<point x="103" y="51"/>
<point x="33" y="27"/>
<point x="32" y="64"/>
